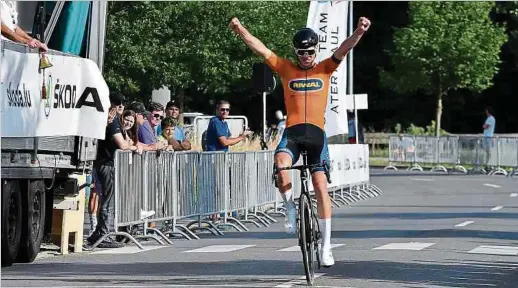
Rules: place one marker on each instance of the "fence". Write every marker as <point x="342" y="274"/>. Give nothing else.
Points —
<point x="491" y="155"/>
<point x="186" y="189"/>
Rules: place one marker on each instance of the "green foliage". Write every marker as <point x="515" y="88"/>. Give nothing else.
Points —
<point x="447" y="46"/>
<point x="188" y="44"/>
<point x="429" y="130"/>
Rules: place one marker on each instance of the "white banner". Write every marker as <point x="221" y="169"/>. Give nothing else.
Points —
<point x="349" y="167"/>
<point x="77" y="100"/>
<point x="329" y="20"/>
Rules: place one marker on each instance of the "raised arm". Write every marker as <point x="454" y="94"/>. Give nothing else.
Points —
<point x="250" y="40"/>
<point x="349" y="43"/>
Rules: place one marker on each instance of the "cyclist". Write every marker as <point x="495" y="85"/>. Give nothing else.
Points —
<point x="306" y="85"/>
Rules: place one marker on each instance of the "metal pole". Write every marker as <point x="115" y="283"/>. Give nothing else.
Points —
<point x="351" y="31"/>
<point x="264" y="117"/>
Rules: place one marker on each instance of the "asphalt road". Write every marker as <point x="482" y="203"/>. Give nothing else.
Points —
<point x="426" y="230"/>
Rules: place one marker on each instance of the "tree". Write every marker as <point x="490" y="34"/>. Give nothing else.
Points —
<point x="187" y="45"/>
<point x="447" y="46"/>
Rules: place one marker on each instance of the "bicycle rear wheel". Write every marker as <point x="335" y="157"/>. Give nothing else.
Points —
<point x="306" y="239"/>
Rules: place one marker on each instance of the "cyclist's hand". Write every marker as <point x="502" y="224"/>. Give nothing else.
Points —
<point x="364" y="24"/>
<point x="234" y="25"/>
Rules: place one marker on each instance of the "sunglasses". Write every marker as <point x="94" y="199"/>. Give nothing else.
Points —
<point x="158" y="116"/>
<point x="224" y="109"/>
<point x="303" y="52"/>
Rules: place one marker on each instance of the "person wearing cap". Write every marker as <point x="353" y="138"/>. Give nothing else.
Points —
<point x="178" y="140"/>
<point x="117" y="100"/>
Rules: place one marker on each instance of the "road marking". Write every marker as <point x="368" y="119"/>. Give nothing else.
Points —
<point x="296" y="248"/>
<point x="463" y="224"/>
<point x="497" y="208"/>
<point x="496" y="250"/>
<point x="492" y="185"/>
<point x="299" y="281"/>
<point x="415" y="246"/>
<point x="219" y="248"/>
<point x="422" y="179"/>
<point x="126" y="250"/>
<point x="514" y="194"/>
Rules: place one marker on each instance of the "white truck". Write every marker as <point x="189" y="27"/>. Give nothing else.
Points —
<point x="51" y="119"/>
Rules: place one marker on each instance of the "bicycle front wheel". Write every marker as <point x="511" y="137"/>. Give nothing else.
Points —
<point x="306" y="237"/>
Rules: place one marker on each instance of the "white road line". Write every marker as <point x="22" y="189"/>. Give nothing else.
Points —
<point x="497" y="208"/>
<point x="299" y="281"/>
<point x="465" y="223"/>
<point x="492" y="185"/>
<point x="422" y="179"/>
<point x="218" y="248"/>
<point x="495" y="250"/>
<point x="414" y="246"/>
<point x="514" y="194"/>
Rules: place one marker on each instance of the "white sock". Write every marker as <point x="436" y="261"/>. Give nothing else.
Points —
<point x="325" y="227"/>
<point x="287" y="196"/>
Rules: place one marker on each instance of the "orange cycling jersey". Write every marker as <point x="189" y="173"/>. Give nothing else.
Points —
<point x="305" y="91"/>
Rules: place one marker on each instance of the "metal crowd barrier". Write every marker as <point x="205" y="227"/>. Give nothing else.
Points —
<point x="487" y="155"/>
<point x="184" y="192"/>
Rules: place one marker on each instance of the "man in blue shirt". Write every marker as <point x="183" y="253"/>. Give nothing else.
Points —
<point x="218" y="133"/>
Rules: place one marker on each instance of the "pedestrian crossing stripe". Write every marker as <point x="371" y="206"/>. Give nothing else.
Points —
<point x="126" y="250"/>
<point x="219" y="248"/>
<point x="414" y="246"/>
<point x="495" y="250"/>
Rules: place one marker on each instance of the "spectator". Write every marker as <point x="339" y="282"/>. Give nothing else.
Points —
<point x="146" y="134"/>
<point x="10" y="29"/>
<point x="167" y="132"/>
<point x="218" y="133"/>
<point x="116" y="110"/>
<point x="115" y="138"/>
<point x="489" y="130"/>
<point x="156" y="116"/>
<point x="117" y="100"/>
<point x="172" y="109"/>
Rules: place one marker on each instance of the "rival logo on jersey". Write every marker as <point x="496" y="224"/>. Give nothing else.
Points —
<point x="310" y="85"/>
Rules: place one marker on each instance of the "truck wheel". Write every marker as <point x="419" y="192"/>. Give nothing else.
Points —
<point x="11" y="221"/>
<point x="33" y="221"/>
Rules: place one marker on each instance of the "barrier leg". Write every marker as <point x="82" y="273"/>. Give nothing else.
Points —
<point x="154" y="237"/>
<point x="266" y="216"/>
<point x="460" y="168"/>
<point x="128" y="236"/>
<point x="334" y="202"/>
<point x="160" y="234"/>
<point x="390" y="166"/>
<point x="182" y="234"/>
<point x="259" y="219"/>
<point x="212" y="228"/>
<point x="187" y="231"/>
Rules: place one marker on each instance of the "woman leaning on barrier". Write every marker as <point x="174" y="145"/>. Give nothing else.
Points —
<point x="120" y="132"/>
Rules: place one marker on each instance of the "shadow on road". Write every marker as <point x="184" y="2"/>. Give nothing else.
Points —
<point x="249" y="273"/>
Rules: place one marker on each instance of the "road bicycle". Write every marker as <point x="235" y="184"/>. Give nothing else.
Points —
<point x="308" y="228"/>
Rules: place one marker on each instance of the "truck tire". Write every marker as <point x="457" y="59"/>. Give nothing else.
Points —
<point x="33" y="221"/>
<point x="11" y="221"/>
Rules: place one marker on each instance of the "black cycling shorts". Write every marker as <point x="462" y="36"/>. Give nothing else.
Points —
<point x="306" y="137"/>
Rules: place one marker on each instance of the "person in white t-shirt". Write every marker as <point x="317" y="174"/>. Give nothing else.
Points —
<point x="489" y="130"/>
<point x="10" y="29"/>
